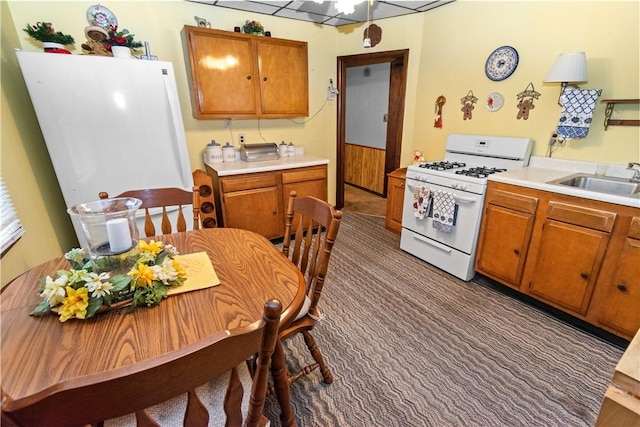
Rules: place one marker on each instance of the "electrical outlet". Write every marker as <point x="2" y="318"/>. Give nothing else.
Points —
<point x="561" y="142"/>
<point x="241" y="139"/>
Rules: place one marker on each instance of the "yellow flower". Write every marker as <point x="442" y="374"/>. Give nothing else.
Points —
<point x="154" y="247"/>
<point x="75" y="304"/>
<point x="142" y="276"/>
<point x="54" y="290"/>
<point x="181" y="271"/>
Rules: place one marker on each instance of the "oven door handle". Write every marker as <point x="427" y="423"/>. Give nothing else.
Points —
<point x="461" y="199"/>
<point x="432" y="243"/>
<point x="464" y="199"/>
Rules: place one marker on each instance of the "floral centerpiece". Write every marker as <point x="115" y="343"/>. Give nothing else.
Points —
<point x="252" y="27"/>
<point x="44" y="32"/>
<point x="117" y="37"/>
<point x="80" y="293"/>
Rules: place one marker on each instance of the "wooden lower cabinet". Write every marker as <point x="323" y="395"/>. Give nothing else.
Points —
<point x="256" y="209"/>
<point x="395" y="199"/>
<point x="580" y="256"/>
<point x="506" y="230"/>
<point x="620" y="296"/>
<point x="567" y="265"/>
<point x="258" y="201"/>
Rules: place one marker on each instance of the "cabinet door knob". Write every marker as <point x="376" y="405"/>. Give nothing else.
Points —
<point x="248" y="77"/>
<point x="265" y="79"/>
<point x="275" y="211"/>
<point x="584" y="275"/>
<point x="622" y="287"/>
<point x="516" y="251"/>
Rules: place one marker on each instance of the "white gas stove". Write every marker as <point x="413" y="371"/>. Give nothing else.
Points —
<point x="443" y="200"/>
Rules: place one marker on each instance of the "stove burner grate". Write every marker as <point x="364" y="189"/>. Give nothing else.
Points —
<point x="479" y="172"/>
<point x="444" y="165"/>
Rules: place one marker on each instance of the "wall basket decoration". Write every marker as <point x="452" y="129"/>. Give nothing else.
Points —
<point x="440" y="101"/>
<point x="525" y="103"/>
<point x="467" y="105"/>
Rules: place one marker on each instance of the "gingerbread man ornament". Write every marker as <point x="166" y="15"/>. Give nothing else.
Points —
<point x="467" y="105"/>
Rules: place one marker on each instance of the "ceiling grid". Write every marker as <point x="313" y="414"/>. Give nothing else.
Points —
<point x="326" y="12"/>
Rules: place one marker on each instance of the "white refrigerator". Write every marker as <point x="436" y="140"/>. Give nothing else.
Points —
<point x="109" y="124"/>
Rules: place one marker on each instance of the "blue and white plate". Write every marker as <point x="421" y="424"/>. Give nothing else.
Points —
<point x="501" y="63"/>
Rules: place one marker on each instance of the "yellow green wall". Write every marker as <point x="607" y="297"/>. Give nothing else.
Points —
<point x="448" y="48"/>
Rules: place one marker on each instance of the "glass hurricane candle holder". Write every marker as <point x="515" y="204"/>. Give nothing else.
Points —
<point x="109" y="226"/>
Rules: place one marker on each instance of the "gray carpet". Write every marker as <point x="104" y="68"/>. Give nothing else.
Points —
<point x="410" y="345"/>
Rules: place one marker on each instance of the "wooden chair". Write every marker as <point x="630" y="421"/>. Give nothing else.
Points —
<point x="165" y="198"/>
<point x="314" y="226"/>
<point x="105" y="396"/>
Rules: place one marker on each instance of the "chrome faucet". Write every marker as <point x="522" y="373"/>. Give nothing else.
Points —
<point x="636" y="172"/>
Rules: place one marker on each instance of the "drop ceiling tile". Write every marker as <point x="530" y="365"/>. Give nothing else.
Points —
<point x="249" y="6"/>
<point x="326" y="12"/>
<point x="302" y="16"/>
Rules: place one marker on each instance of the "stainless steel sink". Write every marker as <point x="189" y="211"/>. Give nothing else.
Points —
<point x="600" y="184"/>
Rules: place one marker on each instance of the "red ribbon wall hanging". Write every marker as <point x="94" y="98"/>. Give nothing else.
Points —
<point x="440" y="101"/>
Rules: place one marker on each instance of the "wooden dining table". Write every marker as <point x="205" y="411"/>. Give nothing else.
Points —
<point x="42" y="354"/>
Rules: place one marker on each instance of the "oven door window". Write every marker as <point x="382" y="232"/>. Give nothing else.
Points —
<point x="465" y="232"/>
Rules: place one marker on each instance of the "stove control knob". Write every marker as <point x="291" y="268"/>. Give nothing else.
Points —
<point x="462" y="186"/>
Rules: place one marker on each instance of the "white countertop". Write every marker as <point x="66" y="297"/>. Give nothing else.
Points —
<point x="241" y="167"/>
<point x="541" y="170"/>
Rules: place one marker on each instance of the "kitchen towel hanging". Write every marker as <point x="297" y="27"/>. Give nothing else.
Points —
<point x="577" y="112"/>
<point x="445" y="211"/>
<point x="421" y="201"/>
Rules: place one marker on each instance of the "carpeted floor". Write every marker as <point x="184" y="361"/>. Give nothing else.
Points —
<point x="410" y="345"/>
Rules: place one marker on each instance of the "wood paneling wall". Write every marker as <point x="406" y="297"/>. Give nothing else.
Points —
<point x="364" y="167"/>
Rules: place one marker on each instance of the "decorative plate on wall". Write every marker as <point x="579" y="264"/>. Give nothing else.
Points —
<point x="494" y="101"/>
<point x="102" y="17"/>
<point x="501" y="63"/>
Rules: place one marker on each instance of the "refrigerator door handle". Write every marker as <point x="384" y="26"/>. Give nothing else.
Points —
<point x="176" y="122"/>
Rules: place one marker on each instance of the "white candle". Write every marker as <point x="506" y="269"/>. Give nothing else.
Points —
<point x="118" y="234"/>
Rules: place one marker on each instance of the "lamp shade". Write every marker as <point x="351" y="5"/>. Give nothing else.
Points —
<point x="569" y="67"/>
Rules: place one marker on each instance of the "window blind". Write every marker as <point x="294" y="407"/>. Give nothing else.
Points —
<point x="11" y="227"/>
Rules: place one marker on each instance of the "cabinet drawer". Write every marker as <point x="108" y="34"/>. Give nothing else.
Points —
<point x="248" y="182"/>
<point x="513" y="201"/>
<point x="584" y="217"/>
<point x="304" y="175"/>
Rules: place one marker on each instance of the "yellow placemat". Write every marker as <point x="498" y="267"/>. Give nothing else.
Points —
<point x="200" y="273"/>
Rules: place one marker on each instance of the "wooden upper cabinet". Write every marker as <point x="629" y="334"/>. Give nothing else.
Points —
<point x="284" y="81"/>
<point x="235" y="75"/>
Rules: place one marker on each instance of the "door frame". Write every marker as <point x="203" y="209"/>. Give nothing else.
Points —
<point x="398" y="59"/>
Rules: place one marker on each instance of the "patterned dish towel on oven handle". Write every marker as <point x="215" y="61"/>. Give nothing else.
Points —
<point x="445" y="211"/>
<point x="421" y="201"/>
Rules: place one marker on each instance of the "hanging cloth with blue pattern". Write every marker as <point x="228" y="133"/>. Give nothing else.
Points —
<point x="577" y="112"/>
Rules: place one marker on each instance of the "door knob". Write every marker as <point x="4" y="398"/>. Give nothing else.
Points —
<point x="516" y="251"/>
<point x="622" y="287"/>
<point x="264" y="79"/>
<point x="248" y="77"/>
<point x="584" y="275"/>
